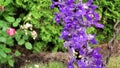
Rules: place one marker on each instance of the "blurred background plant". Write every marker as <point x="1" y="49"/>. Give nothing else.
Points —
<point x="34" y="29"/>
<point x="109" y="13"/>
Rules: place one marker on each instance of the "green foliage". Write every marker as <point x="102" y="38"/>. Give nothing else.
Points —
<point x="49" y="65"/>
<point x="91" y="30"/>
<point x="109" y="14"/>
<point x="17" y="53"/>
<point x="28" y="45"/>
<point x="35" y="28"/>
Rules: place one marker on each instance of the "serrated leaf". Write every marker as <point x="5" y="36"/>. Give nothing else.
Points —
<point x="21" y="42"/>
<point x="17" y="53"/>
<point x="11" y="62"/>
<point x="28" y="45"/>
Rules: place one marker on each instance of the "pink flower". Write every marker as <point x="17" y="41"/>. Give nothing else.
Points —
<point x="11" y="31"/>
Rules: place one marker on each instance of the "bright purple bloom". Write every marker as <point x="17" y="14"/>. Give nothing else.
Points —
<point x="76" y="17"/>
<point x="70" y="64"/>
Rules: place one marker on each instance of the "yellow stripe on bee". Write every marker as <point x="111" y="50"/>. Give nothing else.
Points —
<point x="80" y="56"/>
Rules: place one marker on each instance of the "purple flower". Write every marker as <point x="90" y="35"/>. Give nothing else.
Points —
<point x="64" y="34"/>
<point x="76" y="18"/>
<point x="57" y="18"/>
<point x="99" y="25"/>
<point x="69" y="2"/>
<point x="68" y="19"/>
<point x="70" y="64"/>
<point x="93" y="41"/>
<point x="96" y="54"/>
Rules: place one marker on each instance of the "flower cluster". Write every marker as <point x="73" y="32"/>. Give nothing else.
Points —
<point x="76" y="17"/>
<point x="29" y="27"/>
<point x="26" y="26"/>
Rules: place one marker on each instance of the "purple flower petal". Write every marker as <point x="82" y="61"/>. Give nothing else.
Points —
<point x="99" y="25"/>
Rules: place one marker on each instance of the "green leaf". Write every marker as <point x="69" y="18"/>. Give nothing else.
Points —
<point x="7" y="50"/>
<point x="35" y="14"/>
<point x="3" y="54"/>
<point x="16" y="23"/>
<point x="7" y="2"/>
<point x="9" y="18"/>
<point x="90" y="30"/>
<point x="3" y="60"/>
<point x="20" y="3"/>
<point x="11" y="62"/>
<point x="25" y="37"/>
<point x="18" y="20"/>
<point x="21" y="42"/>
<point x="28" y="45"/>
<point x="2" y="39"/>
<point x="1" y="23"/>
<point x="10" y="41"/>
<point x="17" y="53"/>
<point x="25" y="0"/>
<point x="18" y="35"/>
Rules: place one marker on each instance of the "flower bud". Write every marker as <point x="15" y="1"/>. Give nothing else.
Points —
<point x="11" y="31"/>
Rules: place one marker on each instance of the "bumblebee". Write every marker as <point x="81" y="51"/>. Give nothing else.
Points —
<point x="77" y="55"/>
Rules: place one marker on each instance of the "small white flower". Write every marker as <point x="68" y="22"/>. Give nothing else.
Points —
<point x="27" y="25"/>
<point x="34" y="34"/>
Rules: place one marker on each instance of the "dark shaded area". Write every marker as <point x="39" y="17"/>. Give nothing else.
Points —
<point x="19" y="11"/>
